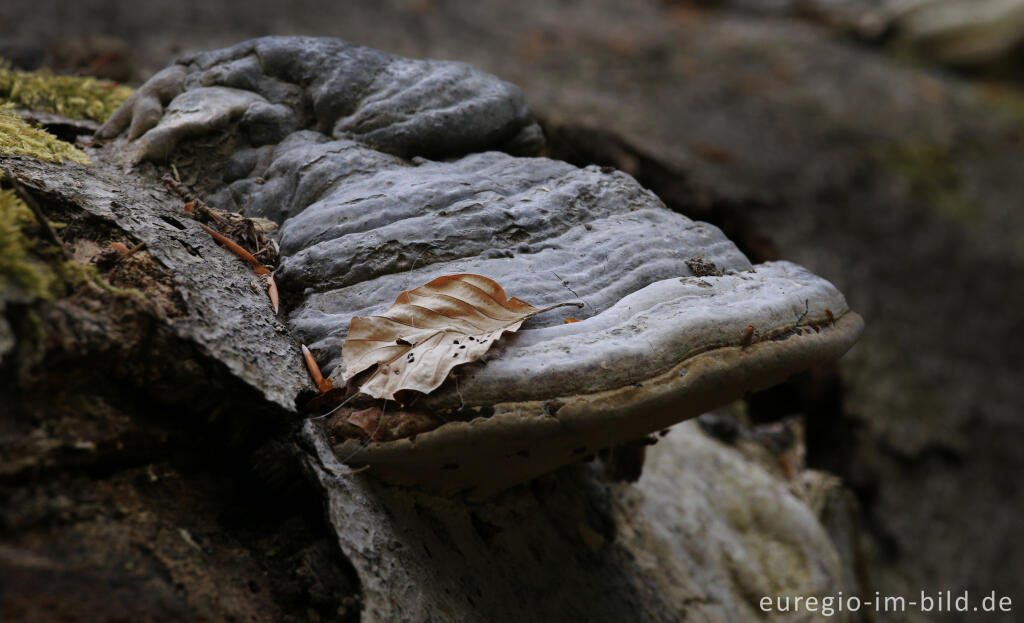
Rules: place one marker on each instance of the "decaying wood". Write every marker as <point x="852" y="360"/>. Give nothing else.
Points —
<point x="225" y="317"/>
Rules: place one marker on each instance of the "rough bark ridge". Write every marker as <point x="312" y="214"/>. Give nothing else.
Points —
<point x="143" y="473"/>
<point x="565" y="546"/>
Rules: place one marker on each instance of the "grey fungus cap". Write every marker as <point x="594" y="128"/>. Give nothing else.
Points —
<point x="668" y="352"/>
<point x="385" y="173"/>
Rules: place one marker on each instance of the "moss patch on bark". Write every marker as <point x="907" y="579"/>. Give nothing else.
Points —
<point x="18" y="138"/>
<point x="18" y="267"/>
<point x="71" y="96"/>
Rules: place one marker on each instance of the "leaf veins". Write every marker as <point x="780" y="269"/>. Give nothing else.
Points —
<point x="429" y="330"/>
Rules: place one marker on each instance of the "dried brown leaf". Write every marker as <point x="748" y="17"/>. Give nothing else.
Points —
<point x="428" y="331"/>
<point x="375" y="424"/>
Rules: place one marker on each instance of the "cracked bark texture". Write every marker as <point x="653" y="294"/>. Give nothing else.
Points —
<point x="222" y="314"/>
<point x="141" y="426"/>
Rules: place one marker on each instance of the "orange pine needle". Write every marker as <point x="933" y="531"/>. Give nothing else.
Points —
<point x="324" y="385"/>
<point x="190" y="207"/>
<point x="275" y="300"/>
<point x="237" y="249"/>
<point x="571" y="320"/>
<point x="748" y="336"/>
<point x="119" y="247"/>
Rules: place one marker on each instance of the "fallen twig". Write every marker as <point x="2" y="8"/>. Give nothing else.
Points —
<point x="179" y="189"/>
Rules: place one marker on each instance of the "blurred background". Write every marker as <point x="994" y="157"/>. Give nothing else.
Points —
<point x="880" y="143"/>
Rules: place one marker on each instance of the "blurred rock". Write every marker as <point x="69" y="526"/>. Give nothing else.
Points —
<point x="94" y="55"/>
<point x="968" y="33"/>
<point x="23" y="55"/>
<point x="963" y="33"/>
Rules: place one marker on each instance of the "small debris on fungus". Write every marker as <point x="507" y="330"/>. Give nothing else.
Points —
<point x="748" y="335"/>
<point x="702" y="268"/>
<point x="376" y="424"/>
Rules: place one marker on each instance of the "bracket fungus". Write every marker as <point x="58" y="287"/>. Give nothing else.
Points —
<point x="386" y="173"/>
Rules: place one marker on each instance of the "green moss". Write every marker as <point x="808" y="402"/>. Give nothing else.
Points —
<point x="76" y="275"/>
<point x="18" y="267"/>
<point x="934" y="176"/>
<point x="71" y="96"/>
<point x="41" y="270"/>
<point x="18" y="138"/>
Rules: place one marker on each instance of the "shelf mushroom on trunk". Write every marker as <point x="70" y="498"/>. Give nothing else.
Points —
<point x="332" y="142"/>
